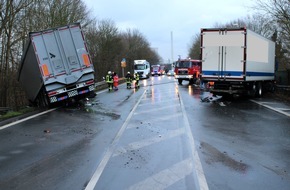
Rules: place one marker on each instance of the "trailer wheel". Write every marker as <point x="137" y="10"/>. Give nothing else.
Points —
<point x="180" y="81"/>
<point x="190" y="82"/>
<point x="252" y="91"/>
<point x="42" y="100"/>
<point x="259" y="91"/>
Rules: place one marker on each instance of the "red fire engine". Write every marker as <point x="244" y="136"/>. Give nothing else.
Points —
<point x="187" y="69"/>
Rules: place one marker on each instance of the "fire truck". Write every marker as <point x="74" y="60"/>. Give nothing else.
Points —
<point x="187" y="69"/>
<point x="155" y="70"/>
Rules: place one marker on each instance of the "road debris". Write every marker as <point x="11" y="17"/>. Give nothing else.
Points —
<point x="46" y="131"/>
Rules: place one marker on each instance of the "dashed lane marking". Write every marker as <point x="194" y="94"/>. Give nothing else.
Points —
<point x="96" y="176"/>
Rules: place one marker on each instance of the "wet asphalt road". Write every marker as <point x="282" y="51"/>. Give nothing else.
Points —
<point x="161" y="136"/>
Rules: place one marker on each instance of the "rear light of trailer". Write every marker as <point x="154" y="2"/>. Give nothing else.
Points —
<point x="90" y="82"/>
<point x="52" y="93"/>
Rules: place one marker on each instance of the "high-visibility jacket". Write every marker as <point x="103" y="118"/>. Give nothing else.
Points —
<point x="109" y="78"/>
<point x="136" y="76"/>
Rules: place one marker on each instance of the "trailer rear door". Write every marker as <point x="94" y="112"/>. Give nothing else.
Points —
<point x="223" y="54"/>
<point x="61" y="52"/>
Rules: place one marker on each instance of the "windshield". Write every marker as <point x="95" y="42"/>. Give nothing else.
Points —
<point x="155" y="68"/>
<point x="186" y="64"/>
<point x="139" y="67"/>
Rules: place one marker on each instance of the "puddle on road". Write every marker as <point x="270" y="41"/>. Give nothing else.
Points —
<point x="215" y="156"/>
<point x="92" y="107"/>
<point x="112" y="115"/>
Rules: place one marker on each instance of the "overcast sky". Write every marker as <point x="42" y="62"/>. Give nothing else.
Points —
<point x="156" y="19"/>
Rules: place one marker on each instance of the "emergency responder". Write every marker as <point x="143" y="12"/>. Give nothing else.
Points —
<point x="137" y="80"/>
<point x="109" y="80"/>
<point x="115" y="81"/>
<point x="128" y="80"/>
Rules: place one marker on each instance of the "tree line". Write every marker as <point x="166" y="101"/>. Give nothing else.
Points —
<point x="106" y="43"/>
<point x="271" y="19"/>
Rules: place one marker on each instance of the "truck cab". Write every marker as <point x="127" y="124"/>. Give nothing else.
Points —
<point x="187" y="69"/>
<point x="142" y="67"/>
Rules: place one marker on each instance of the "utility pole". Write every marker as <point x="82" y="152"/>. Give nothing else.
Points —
<point x="172" y="47"/>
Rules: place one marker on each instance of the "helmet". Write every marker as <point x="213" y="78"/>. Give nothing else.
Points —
<point x="128" y="72"/>
<point x="109" y="72"/>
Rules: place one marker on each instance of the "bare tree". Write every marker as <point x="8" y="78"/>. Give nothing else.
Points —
<point x="279" y="10"/>
<point x="105" y="46"/>
<point x="9" y="53"/>
<point x="137" y="47"/>
<point x="194" y="50"/>
<point x="43" y="14"/>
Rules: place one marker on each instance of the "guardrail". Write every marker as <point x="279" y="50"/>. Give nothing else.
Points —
<point x="283" y="89"/>
<point x="4" y="110"/>
<point x="103" y="85"/>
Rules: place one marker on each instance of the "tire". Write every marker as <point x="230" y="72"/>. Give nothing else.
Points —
<point x="180" y="81"/>
<point x="42" y="99"/>
<point x="191" y="81"/>
<point x="259" y="90"/>
<point x="252" y="90"/>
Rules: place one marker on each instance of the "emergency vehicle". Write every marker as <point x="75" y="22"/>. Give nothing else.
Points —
<point x="155" y="70"/>
<point x="187" y="69"/>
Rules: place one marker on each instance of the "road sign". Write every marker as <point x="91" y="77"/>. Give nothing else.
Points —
<point x="123" y="63"/>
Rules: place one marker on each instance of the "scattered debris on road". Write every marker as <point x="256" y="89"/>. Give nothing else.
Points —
<point x="46" y="131"/>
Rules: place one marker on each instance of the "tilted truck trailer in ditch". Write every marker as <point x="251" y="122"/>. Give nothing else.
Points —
<point x="238" y="61"/>
<point x="56" y="66"/>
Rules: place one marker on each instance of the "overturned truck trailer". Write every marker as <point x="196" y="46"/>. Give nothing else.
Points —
<point x="56" y="66"/>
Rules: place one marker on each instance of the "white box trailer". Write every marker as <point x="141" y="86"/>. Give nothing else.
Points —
<point x="142" y="67"/>
<point x="237" y="60"/>
<point x="56" y="66"/>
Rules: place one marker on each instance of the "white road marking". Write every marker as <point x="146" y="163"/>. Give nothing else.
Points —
<point x="25" y="119"/>
<point x="152" y="120"/>
<point x="272" y="108"/>
<point x="96" y="176"/>
<point x="157" y="109"/>
<point x="202" y="183"/>
<point x="284" y="109"/>
<point x="147" y="142"/>
<point x="166" y="177"/>
<point x="167" y="100"/>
